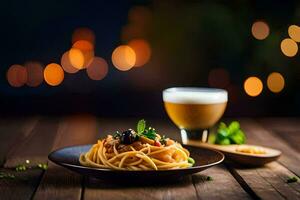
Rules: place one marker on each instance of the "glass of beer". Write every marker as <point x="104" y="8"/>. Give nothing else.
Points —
<point x="195" y="110"/>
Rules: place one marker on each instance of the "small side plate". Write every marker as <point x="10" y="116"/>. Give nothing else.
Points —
<point x="246" y="159"/>
<point x="68" y="157"/>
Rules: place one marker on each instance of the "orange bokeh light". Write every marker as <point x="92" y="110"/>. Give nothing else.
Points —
<point x="123" y="57"/>
<point x="253" y="86"/>
<point x="83" y="34"/>
<point x="16" y="75"/>
<point x="76" y="58"/>
<point x="97" y="68"/>
<point x="87" y="50"/>
<point x="53" y="74"/>
<point x="260" y="30"/>
<point x="219" y="78"/>
<point x="294" y="33"/>
<point x="289" y="47"/>
<point x="275" y="82"/>
<point x="83" y="45"/>
<point x="34" y="73"/>
<point x="142" y="51"/>
<point x="66" y="64"/>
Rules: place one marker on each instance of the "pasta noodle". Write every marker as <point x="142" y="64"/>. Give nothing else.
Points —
<point x="148" y="158"/>
<point x="115" y="152"/>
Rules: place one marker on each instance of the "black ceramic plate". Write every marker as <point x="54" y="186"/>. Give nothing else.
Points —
<point x="68" y="157"/>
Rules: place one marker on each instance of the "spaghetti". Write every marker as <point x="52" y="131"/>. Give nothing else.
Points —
<point x="135" y="151"/>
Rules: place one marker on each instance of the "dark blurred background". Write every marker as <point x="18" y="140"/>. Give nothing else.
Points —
<point x="192" y="43"/>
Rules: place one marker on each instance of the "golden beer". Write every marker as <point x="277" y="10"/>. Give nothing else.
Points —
<point x="194" y="110"/>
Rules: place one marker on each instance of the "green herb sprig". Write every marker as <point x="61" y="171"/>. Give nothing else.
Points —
<point x="4" y="175"/>
<point x="146" y="132"/>
<point x="231" y="134"/>
<point x="292" y="179"/>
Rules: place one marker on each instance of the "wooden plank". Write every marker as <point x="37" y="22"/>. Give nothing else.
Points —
<point x="268" y="182"/>
<point x="34" y="148"/>
<point x="10" y="130"/>
<point x="183" y="189"/>
<point x="281" y="124"/>
<point x="256" y="134"/>
<point x="223" y="185"/>
<point x="58" y="182"/>
<point x="34" y="144"/>
<point x="286" y="129"/>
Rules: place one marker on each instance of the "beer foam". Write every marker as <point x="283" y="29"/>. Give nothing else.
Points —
<point x="189" y="95"/>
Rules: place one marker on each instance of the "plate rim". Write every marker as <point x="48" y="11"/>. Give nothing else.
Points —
<point x="132" y="171"/>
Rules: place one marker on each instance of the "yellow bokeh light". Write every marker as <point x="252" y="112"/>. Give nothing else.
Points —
<point x="16" y="75"/>
<point x="260" y="30"/>
<point x="253" y="86"/>
<point x="275" y="82"/>
<point x="294" y="32"/>
<point x="289" y="47"/>
<point x="123" y="58"/>
<point x="76" y="58"/>
<point x="97" y="69"/>
<point x="53" y="74"/>
<point x="66" y="64"/>
<point x="142" y="51"/>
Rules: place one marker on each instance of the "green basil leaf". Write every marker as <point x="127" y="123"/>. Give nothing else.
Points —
<point x="150" y="133"/>
<point x="233" y="127"/>
<point x="141" y="126"/>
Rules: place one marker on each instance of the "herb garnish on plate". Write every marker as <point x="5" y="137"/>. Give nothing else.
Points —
<point x="231" y="134"/>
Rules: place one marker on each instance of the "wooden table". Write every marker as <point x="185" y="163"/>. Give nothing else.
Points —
<point x="33" y="138"/>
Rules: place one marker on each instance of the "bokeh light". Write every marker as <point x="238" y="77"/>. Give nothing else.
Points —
<point x="275" y="82"/>
<point x="34" y="73"/>
<point x="83" y="34"/>
<point x="97" y="68"/>
<point x="76" y="58"/>
<point x="289" y="47"/>
<point x="253" y="86"/>
<point x="123" y="57"/>
<point x="87" y="49"/>
<point x="16" y="75"/>
<point x="142" y="51"/>
<point x="53" y="74"/>
<point x="260" y="30"/>
<point x="294" y="32"/>
<point x="66" y="64"/>
<point x="219" y="78"/>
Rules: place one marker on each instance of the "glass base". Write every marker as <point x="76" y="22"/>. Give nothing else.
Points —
<point x="200" y="135"/>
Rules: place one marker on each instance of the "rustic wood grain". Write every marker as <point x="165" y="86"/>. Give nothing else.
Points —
<point x="223" y="186"/>
<point x="58" y="182"/>
<point x="281" y="124"/>
<point x="287" y="129"/>
<point x="11" y="129"/>
<point x="182" y="189"/>
<point x="35" y="147"/>
<point x="257" y="134"/>
<point x="269" y="181"/>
